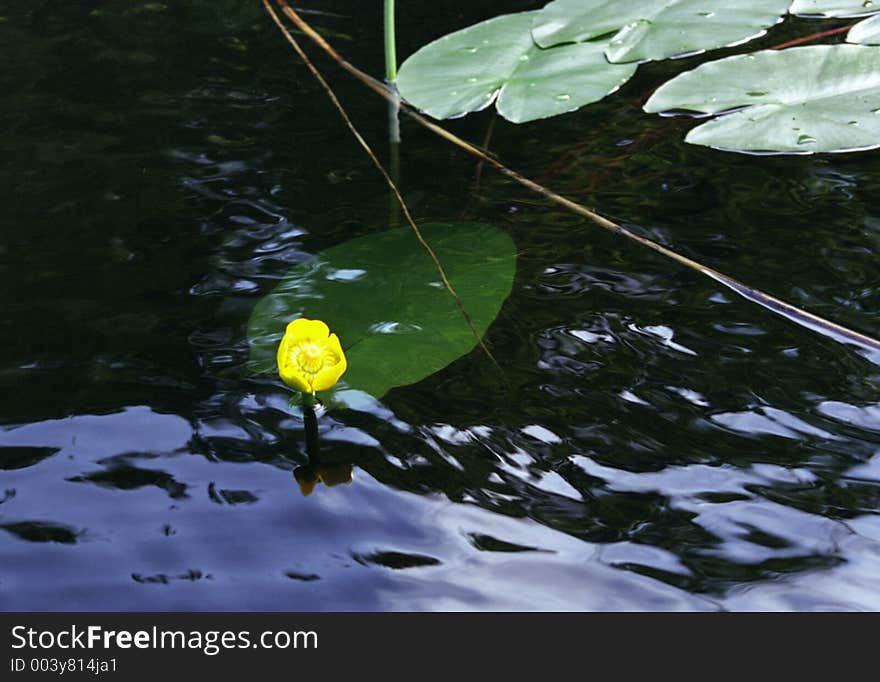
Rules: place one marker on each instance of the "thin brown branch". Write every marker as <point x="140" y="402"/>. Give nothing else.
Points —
<point x="813" y="36"/>
<point x="776" y="305"/>
<point x="391" y="184"/>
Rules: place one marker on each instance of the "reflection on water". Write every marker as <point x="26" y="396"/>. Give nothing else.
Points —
<point x="655" y="442"/>
<point x="317" y="469"/>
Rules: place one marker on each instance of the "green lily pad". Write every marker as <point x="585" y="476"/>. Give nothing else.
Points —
<point x="834" y="8"/>
<point x="468" y="70"/>
<point x="865" y="32"/>
<point x="822" y="98"/>
<point x="656" y="29"/>
<point x="382" y="295"/>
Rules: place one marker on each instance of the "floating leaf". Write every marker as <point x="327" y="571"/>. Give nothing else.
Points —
<point x="823" y="98"/>
<point x="656" y="29"/>
<point x="834" y="8"/>
<point x="383" y="297"/>
<point x="467" y="70"/>
<point x="865" y="32"/>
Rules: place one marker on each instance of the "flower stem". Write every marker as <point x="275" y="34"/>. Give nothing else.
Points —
<point x="310" y="420"/>
<point x="390" y="43"/>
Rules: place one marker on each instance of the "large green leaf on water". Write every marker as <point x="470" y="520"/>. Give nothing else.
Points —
<point x="467" y="70"/>
<point x="834" y="8"/>
<point x="823" y="98"/>
<point x="382" y="295"/>
<point x="865" y="32"/>
<point x="656" y="29"/>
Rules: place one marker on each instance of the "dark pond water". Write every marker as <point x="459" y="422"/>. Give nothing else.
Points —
<point x="657" y="443"/>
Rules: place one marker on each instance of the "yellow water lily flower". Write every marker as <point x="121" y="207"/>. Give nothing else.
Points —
<point x="309" y="357"/>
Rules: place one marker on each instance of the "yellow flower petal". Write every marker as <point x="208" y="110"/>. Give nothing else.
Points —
<point x="335" y="346"/>
<point x="328" y="376"/>
<point x="303" y="329"/>
<point x="294" y="379"/>
<point x="283" y="350"/>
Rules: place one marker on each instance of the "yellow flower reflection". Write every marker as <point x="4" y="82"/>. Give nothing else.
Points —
<point x="309" y="357"/>
<point x="329" y="474"/>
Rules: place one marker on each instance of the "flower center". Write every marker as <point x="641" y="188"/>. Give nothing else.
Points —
<point x="310" y="358"/>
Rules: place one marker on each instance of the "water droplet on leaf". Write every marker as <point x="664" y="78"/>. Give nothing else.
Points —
<point x="395" y="328"/>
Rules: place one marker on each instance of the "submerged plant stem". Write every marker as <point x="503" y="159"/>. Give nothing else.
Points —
<point x="394" y="153"/>
<point x="803" y="318"/>
<point x="366" y="147"/>
<point x="390" y="43"/>
<point x="391" y="76"/>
